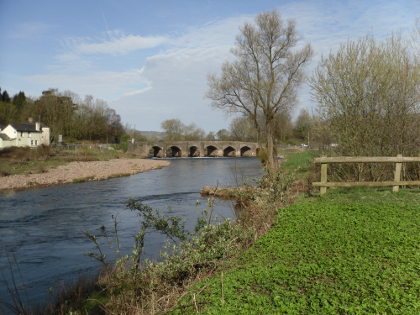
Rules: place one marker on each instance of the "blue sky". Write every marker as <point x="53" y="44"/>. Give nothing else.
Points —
<point x="150" y="59"/>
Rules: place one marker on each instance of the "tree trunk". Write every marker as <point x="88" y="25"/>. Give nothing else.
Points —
<point x="270" y="147"/>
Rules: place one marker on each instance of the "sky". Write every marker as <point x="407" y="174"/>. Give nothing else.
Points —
<point x="150" y="59"/>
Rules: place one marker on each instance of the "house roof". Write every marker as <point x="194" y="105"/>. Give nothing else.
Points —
<point x="26" y="127"/>
<point x="3" y="136"/>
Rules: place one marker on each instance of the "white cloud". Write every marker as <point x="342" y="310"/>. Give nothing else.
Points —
<point x="179" y="79"/>
<point x="102" y="84"/>
<point x="136" y="92"/>
<point x="116" y="42"/>
<point x="172" y="82"/>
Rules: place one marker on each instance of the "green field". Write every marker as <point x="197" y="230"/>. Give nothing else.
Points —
<point x="349" y="252"/>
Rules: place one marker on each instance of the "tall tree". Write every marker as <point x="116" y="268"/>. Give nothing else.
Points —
<point x="263" y="79"/>
<point x="55" y="110"/>
<point x="5" y="97"/>
<point x="283" y="129"/>
<point x="211" y="136"/>
<point x="303" y="125"/>
<point x="223" y="135"/>
<point x="242" y="129"/>
<point x="173" y="128"/>
<point x="177" y="131"/>
<point x="8" y="113"/>
<point x="368" y="91"/>
<point x="192" y="132"/>
<point x="19" y="100"/>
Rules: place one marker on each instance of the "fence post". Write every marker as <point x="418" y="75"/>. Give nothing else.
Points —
<point x="397" y="175"/>
<point x="324" y="169"/>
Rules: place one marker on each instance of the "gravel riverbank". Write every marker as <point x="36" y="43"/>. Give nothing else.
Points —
<point x="81" y="171"/>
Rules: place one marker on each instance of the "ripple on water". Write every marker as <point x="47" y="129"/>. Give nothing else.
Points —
<point x="43" y="228"/>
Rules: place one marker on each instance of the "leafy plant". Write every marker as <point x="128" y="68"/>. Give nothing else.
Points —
<point x="348" y="252"/>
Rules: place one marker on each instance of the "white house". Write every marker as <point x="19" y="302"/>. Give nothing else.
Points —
<point x="30" y="134"/>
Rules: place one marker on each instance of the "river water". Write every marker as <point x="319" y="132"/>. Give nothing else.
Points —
<point x="42" y="244"/>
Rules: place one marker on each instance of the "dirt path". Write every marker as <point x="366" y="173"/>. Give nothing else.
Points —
<point x="79" y="172"/>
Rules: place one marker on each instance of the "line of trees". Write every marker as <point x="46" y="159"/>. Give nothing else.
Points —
<point x="240" y="129"/>
<point x="368" y="92"/>
<point x="65" y="113"/>
<point x="175" y="130"/>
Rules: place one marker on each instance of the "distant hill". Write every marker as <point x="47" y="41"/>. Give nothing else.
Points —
<point x="153" y="134"/>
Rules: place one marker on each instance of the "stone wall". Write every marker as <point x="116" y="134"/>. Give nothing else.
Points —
<point x="195" y="148"/>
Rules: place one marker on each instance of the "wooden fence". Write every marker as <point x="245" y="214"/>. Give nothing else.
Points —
<point x="396" y="183"/>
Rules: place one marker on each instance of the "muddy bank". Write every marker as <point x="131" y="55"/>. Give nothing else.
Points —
<point x="81" y="171"/>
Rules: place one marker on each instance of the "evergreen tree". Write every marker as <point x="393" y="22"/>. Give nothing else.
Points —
<point x="5" y="97"/>
<point x="19" y="100"/>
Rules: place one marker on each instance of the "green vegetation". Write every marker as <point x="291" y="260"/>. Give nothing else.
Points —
<point x="30" y="161"/>
<point x="83" y="179"/>
<point x="352" y="251"/>
<point x="133" y="285"/>
<point x="119" y="175"/>
<point x="66" y="114"/>
<point x="298" y="161"/>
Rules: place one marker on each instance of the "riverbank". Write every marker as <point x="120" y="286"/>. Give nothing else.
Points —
<point x="350" y="251"/>
<point x="191" y="256"/>
<point x="79" y="171"/>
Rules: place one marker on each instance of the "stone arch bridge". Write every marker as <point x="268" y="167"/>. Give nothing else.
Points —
<point x="195" y="148"/>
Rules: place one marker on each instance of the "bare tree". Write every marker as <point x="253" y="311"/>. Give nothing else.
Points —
<point x="263" y="79"/>
<point x="242" y="129"/>
<point x="178" y="131"/>
<point x="173" y="128"/>
<point x="369" y="94"/>
<point x="303" y="125"/>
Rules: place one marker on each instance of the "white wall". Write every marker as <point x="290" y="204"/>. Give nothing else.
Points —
<point x="25" y="139"/>
<point x="10" y="132"/>
<point x="45" y="136"/>
<point x="7" y="143"/>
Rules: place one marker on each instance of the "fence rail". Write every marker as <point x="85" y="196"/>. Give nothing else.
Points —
<point x="396" y="183"/>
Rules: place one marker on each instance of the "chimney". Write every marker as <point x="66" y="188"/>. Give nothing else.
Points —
<point x="38" y="126"/>
<point x="30" y="120"/>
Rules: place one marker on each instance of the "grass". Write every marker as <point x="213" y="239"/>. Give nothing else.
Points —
<point x="299" y="162"/>
<point x="31" y="161"/>
<point x="28" y="167"/>
<point x="348" y="252"/>
<point x="158" y="287"/>
<point x="119" y="175"/>
<point x="351" y="251"/>
<point x="83" y="179"/>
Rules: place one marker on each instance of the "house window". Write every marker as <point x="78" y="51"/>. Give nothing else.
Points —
<point x="32" y="142"/>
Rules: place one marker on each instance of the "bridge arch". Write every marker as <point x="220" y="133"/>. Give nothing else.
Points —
<point x="196" y="148"/>
<point x="211" y="150"/>
<point x="229" y="151"/>
<point x="156" y="151"/>
<point x="174" y="151"/>
<point x="194" y="151"/>
<point x="246" y="151"/>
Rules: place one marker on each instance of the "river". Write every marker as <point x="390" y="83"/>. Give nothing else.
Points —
<point x="42" y="244"/>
